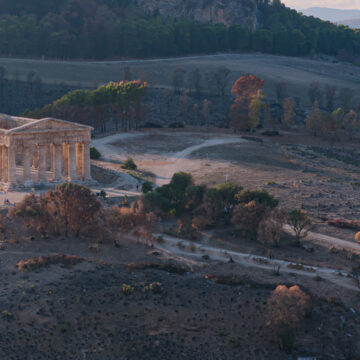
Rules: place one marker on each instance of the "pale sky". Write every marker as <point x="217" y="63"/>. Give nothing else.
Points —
<point x="337" y="4"/>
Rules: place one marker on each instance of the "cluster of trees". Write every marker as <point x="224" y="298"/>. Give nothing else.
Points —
<point x="329" y="121"/>
<point x="108" y="29"/>
<point x="74" y="210"/>
<point x="120" y="103"/>
<point x="254" y="212"/>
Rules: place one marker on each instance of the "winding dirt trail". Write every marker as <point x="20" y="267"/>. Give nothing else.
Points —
<point x="185" y="248"/>
<point x="172" y="162"/>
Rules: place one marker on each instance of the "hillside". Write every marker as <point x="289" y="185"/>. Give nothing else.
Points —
<point x="333" y="15"/>
<point x="352" y="23"/>
<point x="108" y="29"/>
<point x="228" y="12"/>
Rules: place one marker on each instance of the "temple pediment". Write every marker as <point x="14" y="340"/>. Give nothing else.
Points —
<point x="48" y="124"/>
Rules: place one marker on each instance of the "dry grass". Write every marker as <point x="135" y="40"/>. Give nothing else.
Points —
<point x="298" y="73"/>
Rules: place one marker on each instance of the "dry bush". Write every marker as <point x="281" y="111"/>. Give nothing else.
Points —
<point x="186" y="229"/>
<point x="248" y="217"/>
<point x="286" y="309"/>
<point x="345" y="224"/>
<point x="44" y="261"/>
<point x="270" y="228"/>
<point x="357" y="237"/>
<point x="68" y="209"/>
<point x="200" y="222"/>
<point x="168" y="267"/>
<point x="133" y="220"/>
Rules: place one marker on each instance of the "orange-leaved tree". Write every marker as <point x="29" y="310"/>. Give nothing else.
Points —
<point x="245" y="89"/>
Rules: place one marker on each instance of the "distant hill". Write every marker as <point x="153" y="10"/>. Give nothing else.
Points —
<point x="113" y="29"/>
<point x="353" y="23"/>
<point x="333" y="15"/>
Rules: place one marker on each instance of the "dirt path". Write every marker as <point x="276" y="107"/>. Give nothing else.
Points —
<point x="328" y="240"/>
<point x="171" y="162"/>
<point x="195" y="250"/>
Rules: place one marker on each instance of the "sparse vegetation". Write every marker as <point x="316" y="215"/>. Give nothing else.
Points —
<point x="94" y="153"/>
<point x="129" y="164"/>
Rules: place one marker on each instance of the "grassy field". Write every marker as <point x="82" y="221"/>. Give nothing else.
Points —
<point x="297" y="73"/>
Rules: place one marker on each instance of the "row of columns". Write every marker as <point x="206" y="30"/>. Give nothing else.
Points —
<point x="67" y="161"/>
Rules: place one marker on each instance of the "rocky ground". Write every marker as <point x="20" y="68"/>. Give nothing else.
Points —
<point x="82" y="312"/>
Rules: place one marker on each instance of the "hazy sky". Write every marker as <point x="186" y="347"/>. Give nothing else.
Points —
<point x="337" y="4"/>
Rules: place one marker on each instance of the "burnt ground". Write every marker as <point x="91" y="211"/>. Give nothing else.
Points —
<point x="81" y="312"/>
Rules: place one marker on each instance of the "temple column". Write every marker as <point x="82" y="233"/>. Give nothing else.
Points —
<point x="1" y="162"/>
<point x="66" y="159"/>
<point x="72" y="161"/>
<point x="79" y="161"/>
<point x="86" y="161"/>
<point x="48" y="157"/>
<point x="42" y="163"/>
<point x="12" y="164"/>
<point x="5" y="152"/>
<point x="57" y="162"/>
<point x="27" y="163"/>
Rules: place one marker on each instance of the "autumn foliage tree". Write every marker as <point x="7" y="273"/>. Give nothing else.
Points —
<point x="286" y="309"/>
<point x="244" y="112"/>
<point x="68" y="209"/>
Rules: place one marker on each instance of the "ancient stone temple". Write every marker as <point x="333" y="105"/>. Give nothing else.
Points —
<point x="42" y="152"/>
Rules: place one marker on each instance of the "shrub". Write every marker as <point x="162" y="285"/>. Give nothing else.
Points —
<point x="127" y="289"/>
<point x="186" y="229"/>
<point x="180" y="181"/>
<point x="94" y="153"/>
<point x="248" y="217"/>
<point x="44" y="261"/>
<point x="357" y="237"/>
<point x="300" y="224"/>
<point x="200" y="222"/>
<point x="156" y="202"/>
<point x="134" y="220"/>
<point x="69" y="208"/>
<point x="261" y="197"/>
<point x="129" y="164"/>
<point x="286" y="308"/>
<point x="194" y="196"/>
<point x="146" y="187"/>
<point x="103" y="194"/>
<point x="270" y="228"/>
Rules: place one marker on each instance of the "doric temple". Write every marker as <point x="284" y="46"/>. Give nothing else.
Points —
<point x="43" y="151"/>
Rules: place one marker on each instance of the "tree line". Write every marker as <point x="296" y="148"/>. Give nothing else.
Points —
<point x="104" y="29"/>
<point x="120" y="103"/>
<point x="250" y="110"/>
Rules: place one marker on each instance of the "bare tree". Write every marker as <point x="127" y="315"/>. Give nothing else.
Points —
<point x="195" y="81"/>
<point x="281" y="92"/>
<point x="127" y="76"/>
<point x="177" y="79"/>
<point x="330" y="96"/>
<point x="315" y="93"/>
<point x="30" y="76"/>
<point x="345" y="98"/>
<point x="221" y="78"/>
